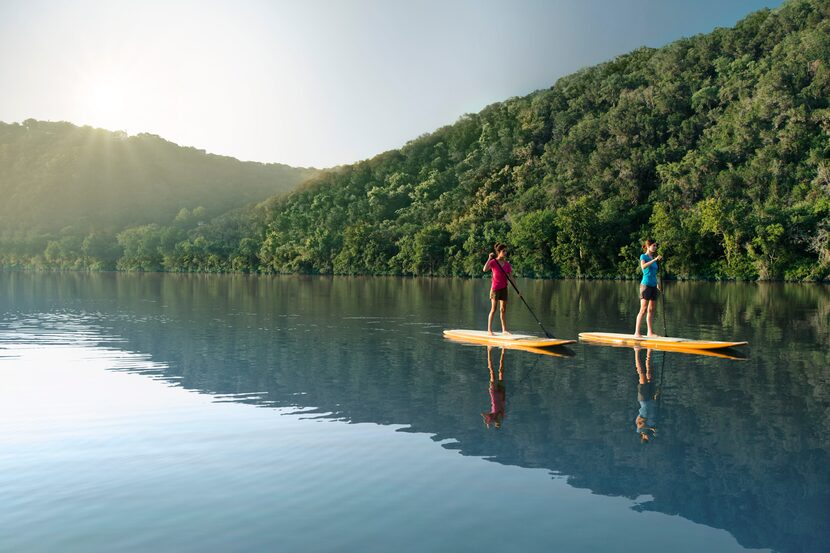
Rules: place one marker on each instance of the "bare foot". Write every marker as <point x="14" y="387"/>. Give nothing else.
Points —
<point x="653" y="335"/>
<point x="638" y="335"/>
<point x="505" y="333"/>
<point x="489" y="333"/>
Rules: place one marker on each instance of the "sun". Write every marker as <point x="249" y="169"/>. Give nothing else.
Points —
<point x="106" y="102"/>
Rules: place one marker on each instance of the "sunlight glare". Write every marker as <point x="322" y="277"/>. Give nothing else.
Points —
<point x="107" y="103"/>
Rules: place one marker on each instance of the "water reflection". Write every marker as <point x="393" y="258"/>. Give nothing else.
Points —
<point x="733" y="450"/>
<point x="498" y="393"/>
<point x="647" y="392"/>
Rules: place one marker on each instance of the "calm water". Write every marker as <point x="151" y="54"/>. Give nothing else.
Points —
<point x="225" y="413"/>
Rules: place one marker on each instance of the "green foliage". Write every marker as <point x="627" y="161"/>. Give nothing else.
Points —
<point x="712" y="145"/>
<point x="142" y="248"/>
<point x="68" y="191"/>
<point x="57" y="174"/>
<point x="101" y="251"/>
<point x="429" y="249"/>
<point x="534" y="236"/>
<point x="365" y="249"/>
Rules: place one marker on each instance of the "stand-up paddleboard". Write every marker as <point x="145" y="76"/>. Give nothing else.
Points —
<point x="657" y="342"/>
<point x="506" y="340"/>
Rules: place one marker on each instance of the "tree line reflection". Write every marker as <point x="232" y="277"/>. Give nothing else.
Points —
<point x="719" y="442"/>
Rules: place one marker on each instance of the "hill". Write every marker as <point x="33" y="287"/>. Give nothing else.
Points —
<point x="69" y="192"/>
<point x="717" y="145"/>
<point x="54" y="175"/>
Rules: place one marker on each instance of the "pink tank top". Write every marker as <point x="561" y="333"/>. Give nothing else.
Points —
<point x="499" y="278"/>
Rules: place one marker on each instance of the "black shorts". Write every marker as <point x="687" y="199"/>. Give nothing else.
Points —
<point x="648" y="292"/>
<point x="500" y="294"/>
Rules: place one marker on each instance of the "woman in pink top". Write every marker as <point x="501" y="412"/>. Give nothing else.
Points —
<point x="500" y="268"/>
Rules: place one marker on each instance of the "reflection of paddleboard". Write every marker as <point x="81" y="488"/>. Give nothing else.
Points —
<point x="506" y="340"/>
<point x="555" y="351"/>
<point x="657" y="342"/>
<point x="724" y="353"/>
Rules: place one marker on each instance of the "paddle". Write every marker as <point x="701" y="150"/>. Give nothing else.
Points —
<point x="661" y="272"/>
<point x="547" y="334"/>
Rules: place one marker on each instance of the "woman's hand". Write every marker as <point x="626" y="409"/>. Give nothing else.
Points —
<point x="491" y="256"/>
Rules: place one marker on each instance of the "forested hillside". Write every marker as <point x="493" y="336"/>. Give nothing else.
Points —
<point x="716" y="145"/>
<point x="68" y="183"/>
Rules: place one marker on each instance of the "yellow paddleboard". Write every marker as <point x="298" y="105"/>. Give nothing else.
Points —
<point x="657" y="342"/>
<point x="506" y="340"/>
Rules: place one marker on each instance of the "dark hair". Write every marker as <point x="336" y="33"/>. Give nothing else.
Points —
<point x="498" y="246"/>
<point x="648" y="243"/>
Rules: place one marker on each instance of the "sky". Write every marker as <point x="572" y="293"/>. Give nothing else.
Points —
<point x="313" y="82"/>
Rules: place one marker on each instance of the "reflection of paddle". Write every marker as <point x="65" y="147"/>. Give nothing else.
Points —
<point x="548" y="334"/>
<point x="535" y="364"/>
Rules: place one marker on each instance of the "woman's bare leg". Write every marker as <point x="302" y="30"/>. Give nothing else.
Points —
<point x="643" y="307"/>
<point x="650" y="317"/>
<point x="490" y="317"/>
<point x="502" y="310"/>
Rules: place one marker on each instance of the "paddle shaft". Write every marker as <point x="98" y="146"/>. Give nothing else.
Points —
<point x="547" y="334"/>
<point x="663" y="299"/>
<point x="665" y="331"/>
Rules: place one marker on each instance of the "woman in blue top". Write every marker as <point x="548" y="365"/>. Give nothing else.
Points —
<point x="648" y="286"/>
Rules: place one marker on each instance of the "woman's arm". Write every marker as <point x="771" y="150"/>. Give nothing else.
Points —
<point x="644" y="264"/>
<point x="487" y="264"/>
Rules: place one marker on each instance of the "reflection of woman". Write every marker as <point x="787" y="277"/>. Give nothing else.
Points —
<point x="497" y="392"/>
<point x="646" y="420"/>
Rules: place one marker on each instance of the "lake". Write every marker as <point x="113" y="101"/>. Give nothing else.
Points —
<point x="243" y="413"/>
